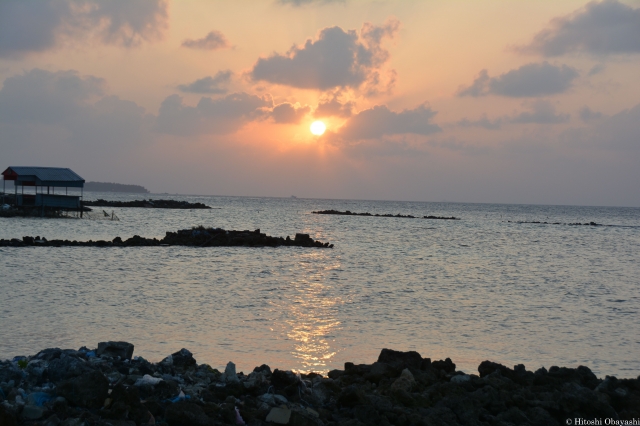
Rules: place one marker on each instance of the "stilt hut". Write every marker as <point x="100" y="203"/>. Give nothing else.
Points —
<point x="45" y="180"/>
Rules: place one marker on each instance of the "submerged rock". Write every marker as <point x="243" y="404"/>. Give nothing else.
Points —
<point x="195" y="237"/>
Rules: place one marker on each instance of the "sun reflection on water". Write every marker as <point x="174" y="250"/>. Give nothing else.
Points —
<point x="311" y="321"/>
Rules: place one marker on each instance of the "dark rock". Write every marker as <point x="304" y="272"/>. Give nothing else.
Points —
<point x="89" y="390"/>
<point x="9" y="372"/>
<point x="447" y="365"/>
<point x="183" y="359"/>
<point x="7" y="417"/>
<point x="351" y="396"/>
<point x="264" y="368"/>
<point x="184" y="413"/>
<point x="49" y="354"/>
<point x="123" y="350"/>
<point x="281" y="379"/>
<point x="66" y="368"/>
<point x="400" y="360"/>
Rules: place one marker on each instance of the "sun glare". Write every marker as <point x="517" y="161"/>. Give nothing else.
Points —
<point x="318" y="128"/>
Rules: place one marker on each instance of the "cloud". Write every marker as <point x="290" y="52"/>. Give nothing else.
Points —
<point x="542" y="112"/>
<point x="529" y="80"/>
<point x="483" y="122"/>
<point x="220" y="116"/>
<point x="336" y="59"/>
<point x="40" y="96"/>
<point x="588" y="115"/>
<point x="62" y="118"/>
<point x="287" y="113"/>
<point x="334" y="108"/>
<point x="380" y="121"/>
<point x="596" y="69"/>
<point x="212" y="41"/>
<point x="620" y="131"/>
<point x="27" y="26"/>
<point x="208" y="84"/>
<point x="599" y="28"/>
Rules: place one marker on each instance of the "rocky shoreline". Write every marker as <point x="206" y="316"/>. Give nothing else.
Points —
<point x="149" y="204"/>
<point x="108" y="386"/>
<point x="194" y="237"/>
<point x="405" y="216"/>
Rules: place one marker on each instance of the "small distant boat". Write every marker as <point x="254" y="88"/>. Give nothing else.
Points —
<point x="293" y="196"/>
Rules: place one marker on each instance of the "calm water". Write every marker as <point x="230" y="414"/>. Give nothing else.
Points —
<point x="475" y="289"/>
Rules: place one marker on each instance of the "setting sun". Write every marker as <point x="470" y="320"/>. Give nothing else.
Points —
<point x="318" y="128"/>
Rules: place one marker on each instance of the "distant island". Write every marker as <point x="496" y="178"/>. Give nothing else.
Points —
<point x="114" y="187"/>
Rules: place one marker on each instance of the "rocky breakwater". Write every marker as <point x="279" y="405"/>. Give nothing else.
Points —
<point x="405" y="216"/>
<point x="195" y="237"/>
<point x="107" y="386"/>
<point x="150" y="204"/>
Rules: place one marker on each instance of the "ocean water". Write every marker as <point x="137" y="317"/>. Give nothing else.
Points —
<point x="474" y="289"/>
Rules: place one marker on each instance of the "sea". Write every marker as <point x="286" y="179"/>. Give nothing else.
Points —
<point x="490" y="286"/>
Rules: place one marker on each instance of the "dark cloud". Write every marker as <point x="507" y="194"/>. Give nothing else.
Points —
<point x="208" y="84"/>
<point x="380" y="121"/>
<point x="29" y="26"/>
<point x="596" y="69"/>
<point x="529" y="80"/>
<point x="401" y="148"/>
<point x="209" y="116"/>
<point x="287" y="113"/>
<point x="620" y="131"/>
<point x="600" y="28"/>
<point x="588" y="115"/>
<point x="542" y="112"/>
<point x="40" y="96"/>
<point x="337" y="58"/>
<point x="483" y="122"/>
<point x="212" y="41"/>
<point x="334" y="108"/>
<point x="64" y="118"/>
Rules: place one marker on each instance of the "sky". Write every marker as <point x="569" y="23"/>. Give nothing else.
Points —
<point x="491" y="101"/>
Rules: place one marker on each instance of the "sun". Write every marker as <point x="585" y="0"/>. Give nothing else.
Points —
<point x="318" y="128"/>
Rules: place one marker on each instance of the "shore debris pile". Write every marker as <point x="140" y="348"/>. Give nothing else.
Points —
<point x="195" y="237"/>
<point x="108" y="386"/>
<point x="406" y="216"/>
<point x="150" y="204"/>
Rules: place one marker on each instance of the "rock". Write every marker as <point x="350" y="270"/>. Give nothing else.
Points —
<point x="264" y="369"/>
<point x="279" y="415"/>
<point x="49" y="354"/>
<point x="461" y="378"/>
<point x="405" y="382"/>
<point x="32" y="412"/>
<point x="123" y="350"/>
<point x="351" y="396"/>
<point x="89" y="390"/>
<point x="10" y="373"/>
<point x="281" y="379"/>
<point x="447" y="365"/>
<point x="230" y="373"/>
<point x="183" y="359"/>
<point x="185" y="413"/>
<point x="7" y="417"/>
<point x="400" y="360"/>
<point x="53" y="421"/>
<point x="66" y="368"/>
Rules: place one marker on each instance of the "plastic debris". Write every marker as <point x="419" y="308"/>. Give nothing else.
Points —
<point x="239" y="419"/>
<point x="39" y="398"/>
<point x="181" y="397"/>
<point x="147" y="380"/>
